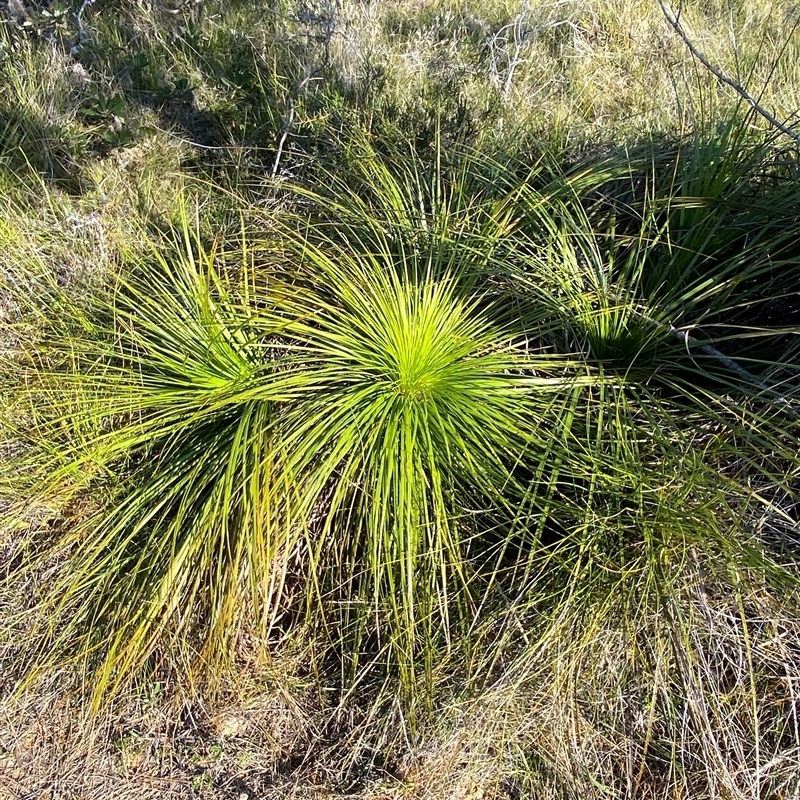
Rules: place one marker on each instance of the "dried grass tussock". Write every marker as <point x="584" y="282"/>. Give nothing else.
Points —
<point x="589" y="68"/>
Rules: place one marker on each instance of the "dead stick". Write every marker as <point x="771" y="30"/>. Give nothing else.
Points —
<point x="740" y="90"/>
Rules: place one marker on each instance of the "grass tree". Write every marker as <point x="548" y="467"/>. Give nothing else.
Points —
<point x="443" y="422"/>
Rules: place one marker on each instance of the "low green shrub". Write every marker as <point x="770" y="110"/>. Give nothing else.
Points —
<point x="429" y="408"/>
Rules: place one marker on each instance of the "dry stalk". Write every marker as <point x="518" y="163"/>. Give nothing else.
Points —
<point x="674" y="21"/>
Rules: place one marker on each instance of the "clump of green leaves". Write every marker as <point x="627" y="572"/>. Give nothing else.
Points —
<point x="434" y="398"/>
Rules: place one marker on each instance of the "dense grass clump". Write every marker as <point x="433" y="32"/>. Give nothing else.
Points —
<point x="478" y="462"/>
<point x="379" y="429"/>
<point x="329" y="426"/>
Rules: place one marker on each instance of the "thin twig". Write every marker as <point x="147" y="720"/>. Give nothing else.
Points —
<point x="287" y="125"/>
<point x="734" y="366"/>
<point x="330" y="26"/>
<point x="685" y="336"/>
<point x="674" y="21"/>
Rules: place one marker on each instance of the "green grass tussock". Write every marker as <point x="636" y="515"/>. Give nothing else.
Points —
<point x="332" y="369"/>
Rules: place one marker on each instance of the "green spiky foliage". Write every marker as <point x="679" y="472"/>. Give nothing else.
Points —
<point x="252" y="432"/>
<point x="431" y="412"/>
